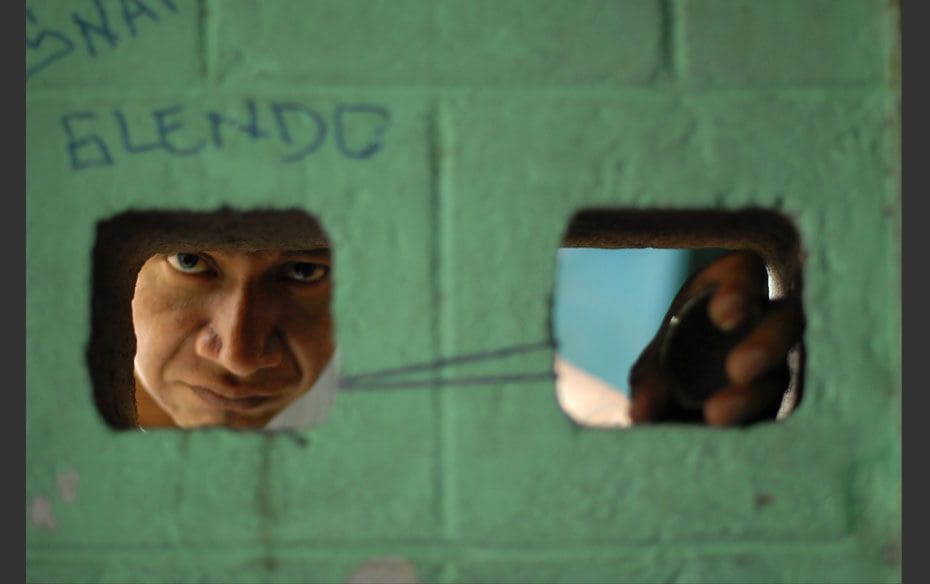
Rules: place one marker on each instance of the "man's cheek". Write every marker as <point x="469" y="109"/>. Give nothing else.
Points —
<point x="313" y="342"/>
<point x="168" y="320"/>
<point x="158" y="294"/>
<point x="307" y="320"/>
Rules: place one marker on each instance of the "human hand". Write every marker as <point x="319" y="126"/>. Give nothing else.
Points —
<point x="720" y="355"/>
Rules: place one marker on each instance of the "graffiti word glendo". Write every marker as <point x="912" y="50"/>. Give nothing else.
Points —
<point x="94" y="138"/>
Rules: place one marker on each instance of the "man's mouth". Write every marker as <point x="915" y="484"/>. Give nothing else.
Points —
<point x="245" y="403"/>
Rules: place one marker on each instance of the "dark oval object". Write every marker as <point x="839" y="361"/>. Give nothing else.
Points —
<point x="693" y="352"/>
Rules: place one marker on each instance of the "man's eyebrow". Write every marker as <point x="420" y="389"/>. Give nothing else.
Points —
<point x="320" y="251"/>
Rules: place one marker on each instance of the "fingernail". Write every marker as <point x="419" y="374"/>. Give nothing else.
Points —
<point x="729" y="310"/>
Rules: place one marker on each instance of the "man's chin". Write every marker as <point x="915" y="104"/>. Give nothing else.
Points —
<point x="225" y="419"/>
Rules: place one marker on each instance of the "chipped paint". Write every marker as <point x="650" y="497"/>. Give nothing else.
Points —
<point x="41" y="514"/>
<point x="385" y="569"/>
<point x="68" y="485"/>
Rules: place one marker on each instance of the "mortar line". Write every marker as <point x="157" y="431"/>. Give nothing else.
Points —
<point x="529" y="549"/>
<point x="264" y="499"/>
<point x="666" y="43"/>
<point x="435" y="160"/>
<point x="678" y="56"/>
<point x="180" y="486"/>
<point x="271" y="89"/>
<point x="448" y="523"/>
<point x="204" y="18"/>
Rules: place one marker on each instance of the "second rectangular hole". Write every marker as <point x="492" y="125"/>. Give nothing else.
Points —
<point x="628" y="320"/>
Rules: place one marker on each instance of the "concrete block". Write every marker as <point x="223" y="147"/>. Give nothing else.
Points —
<point x="740" y="43"/>
<point x="415" y="43"/>
<point x="515" y="481"/>
<point x="800" y="145"/>
<point x="589" y="43"/>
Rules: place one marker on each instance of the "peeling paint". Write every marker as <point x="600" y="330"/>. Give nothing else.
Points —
<point x="68" y="485"/>
<point x="41" y="515"/>
<point x="385" y="569"/>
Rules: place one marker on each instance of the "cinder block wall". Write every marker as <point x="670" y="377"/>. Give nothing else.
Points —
<point x="445" y="146"/>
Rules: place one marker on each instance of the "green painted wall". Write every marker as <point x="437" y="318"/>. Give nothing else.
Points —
<point x="504" y="118"/>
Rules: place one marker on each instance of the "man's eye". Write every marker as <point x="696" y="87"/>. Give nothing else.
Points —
<point x="306" y="272"/>
<point x="189" y="263"/>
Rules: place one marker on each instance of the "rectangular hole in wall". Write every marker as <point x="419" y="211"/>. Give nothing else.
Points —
<point x="212" y="319"/>
<point x="678" y="316"/>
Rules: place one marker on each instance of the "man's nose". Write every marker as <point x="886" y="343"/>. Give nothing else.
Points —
<point x="242" y="334"/>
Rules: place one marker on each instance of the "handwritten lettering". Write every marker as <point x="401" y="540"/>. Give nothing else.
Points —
<point x="251" y="128"/>
<point x="128" y="145"/>
<point x="59" y="44"/>
<point x="359" y="132"/>
<point x="101" y="28"/>
<point x="165" y="128"/>
<point x="133" y="9"/>
<point x="375" y="141"/>
<point x="76" y="144"/>
<point x="92" y="25"/>
<point x="280" y="109"/>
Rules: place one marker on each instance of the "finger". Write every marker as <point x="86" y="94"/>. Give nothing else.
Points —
<point x="730" y="306"/>
<point x="743" y="404"/>
<point x="741" y="270"/>
<point x="768" y="344"/>
<point x="742" y="289"/>
<point x="650" y="396"/>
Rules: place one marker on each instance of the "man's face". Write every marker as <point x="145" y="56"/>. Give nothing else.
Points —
<point x="231" y="337"/>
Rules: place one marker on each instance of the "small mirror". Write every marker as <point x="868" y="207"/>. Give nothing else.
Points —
<point x="230" y="320"/>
